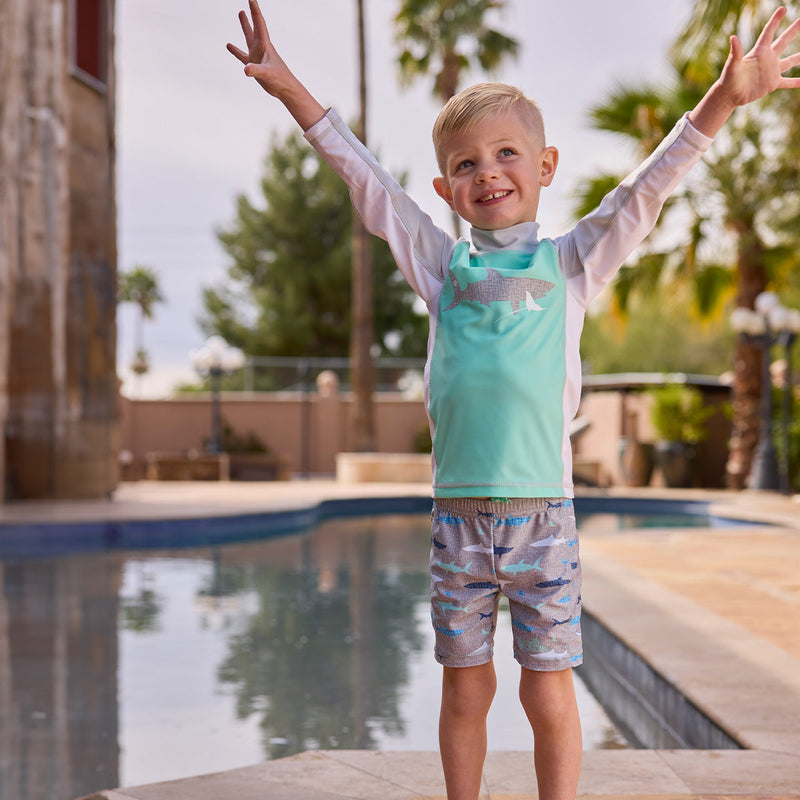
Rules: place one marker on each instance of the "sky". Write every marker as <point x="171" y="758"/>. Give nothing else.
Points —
<point x="193" y="131"/>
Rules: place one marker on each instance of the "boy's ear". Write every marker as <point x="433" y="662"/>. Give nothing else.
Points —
<point x="549" y="164"/>
<point x="442" y="188"/>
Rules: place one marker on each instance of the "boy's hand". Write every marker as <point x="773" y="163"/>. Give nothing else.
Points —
<point x="261" y="60"/>
<point x="263" y="63"/>
<point x="749" y="77"/>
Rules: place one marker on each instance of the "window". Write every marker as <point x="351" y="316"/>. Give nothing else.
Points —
<point x="89" y="44"/>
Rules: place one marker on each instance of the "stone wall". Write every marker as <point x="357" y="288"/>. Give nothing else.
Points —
<point x="58" y="383"/>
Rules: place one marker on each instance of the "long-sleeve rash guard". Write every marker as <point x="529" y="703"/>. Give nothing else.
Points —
<point x="503" y="374"/>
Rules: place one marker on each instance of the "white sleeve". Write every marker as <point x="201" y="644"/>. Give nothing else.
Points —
<point x="421" y="249"/>
<point x="592" y="253"/>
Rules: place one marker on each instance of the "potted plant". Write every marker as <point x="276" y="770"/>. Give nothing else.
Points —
<point x="678" y="414"/>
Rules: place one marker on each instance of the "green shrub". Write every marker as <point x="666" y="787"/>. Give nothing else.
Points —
<point x="679" y="414"/>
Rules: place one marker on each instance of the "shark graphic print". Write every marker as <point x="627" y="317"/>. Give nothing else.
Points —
<point x="497" y="375"/>
<point x="499" y="288"/>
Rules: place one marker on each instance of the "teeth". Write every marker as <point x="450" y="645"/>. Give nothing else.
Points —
<point x="493" y="196"/>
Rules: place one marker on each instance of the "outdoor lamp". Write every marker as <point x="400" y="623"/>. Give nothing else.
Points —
<point x="768" y="324"/>
<point x="215" y="359"/>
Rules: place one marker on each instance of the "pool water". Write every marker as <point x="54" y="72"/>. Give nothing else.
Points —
<point x="130" y="667"/>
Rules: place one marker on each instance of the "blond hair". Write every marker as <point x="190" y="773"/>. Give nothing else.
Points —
<point x="477" y="103"/>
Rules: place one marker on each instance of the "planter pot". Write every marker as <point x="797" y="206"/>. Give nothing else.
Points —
<point x="636" y="461"/>
<point x="676" y="461"/>
<point x="259" y="467"/>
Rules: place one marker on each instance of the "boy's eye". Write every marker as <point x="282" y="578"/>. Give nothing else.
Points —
<point x="464" y="164"/>
<point x="507" y="151"/>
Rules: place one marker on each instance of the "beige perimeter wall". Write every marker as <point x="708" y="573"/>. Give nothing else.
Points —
<point x="311" y="430"/>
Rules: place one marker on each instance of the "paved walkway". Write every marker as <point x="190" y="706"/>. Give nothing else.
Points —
<point x="716" y="614"/>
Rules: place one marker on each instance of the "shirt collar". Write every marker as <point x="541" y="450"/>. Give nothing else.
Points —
<point x="523" y="236"/>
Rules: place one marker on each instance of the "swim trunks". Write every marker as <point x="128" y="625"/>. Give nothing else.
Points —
<point x="525" y="549"/>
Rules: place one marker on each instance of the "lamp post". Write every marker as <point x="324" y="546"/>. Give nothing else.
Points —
<point x="768" y="324"/>
<point x="215" y="359"/>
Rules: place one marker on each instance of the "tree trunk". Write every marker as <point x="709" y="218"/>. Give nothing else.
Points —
<point x="746" y="391"/>
<point x="362" y="334"/>
<point x="446" y="87"/>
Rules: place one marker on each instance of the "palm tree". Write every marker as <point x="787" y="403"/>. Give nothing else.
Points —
<point x="443" y="39"/>
<point x="446" y="37"/>
<point x="747" y="203"/>
<point x="362" y="334"/>
<point x="140" y="286"/>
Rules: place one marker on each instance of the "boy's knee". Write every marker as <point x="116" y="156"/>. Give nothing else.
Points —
<point x="547" y="694"/>
<point x="468" y="691"/>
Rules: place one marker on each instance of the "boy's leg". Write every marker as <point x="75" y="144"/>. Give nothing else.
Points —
<point x="467" y="694"/>
<point x="550" y="705"/>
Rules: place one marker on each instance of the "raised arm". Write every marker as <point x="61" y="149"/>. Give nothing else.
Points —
<point x="263" y="63"/>
<point x="748" y="77"/>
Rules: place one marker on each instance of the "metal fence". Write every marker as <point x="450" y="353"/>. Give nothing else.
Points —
<point x="275" y="374"/>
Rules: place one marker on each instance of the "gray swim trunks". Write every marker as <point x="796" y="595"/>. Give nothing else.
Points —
<point x="524" y="548"/>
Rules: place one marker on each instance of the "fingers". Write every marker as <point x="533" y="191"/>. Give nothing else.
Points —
<point x="246" y="28"/>
<point x="737" y="50"/>
<point x="240" y="54"/>
<point x="768" y="34"/>
<point x="259" y="25"/>
<point x="789" y="62"/>
<point x="782" y="42"/>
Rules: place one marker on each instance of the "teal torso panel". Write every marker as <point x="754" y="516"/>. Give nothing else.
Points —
<point x="497" y="375"/>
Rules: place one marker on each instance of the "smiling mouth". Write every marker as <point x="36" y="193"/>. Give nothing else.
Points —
<point x="494" y="196"/>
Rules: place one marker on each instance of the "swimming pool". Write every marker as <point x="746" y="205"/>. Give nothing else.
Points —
<point x="155" y="650"/>
<point x="129" y="667"/>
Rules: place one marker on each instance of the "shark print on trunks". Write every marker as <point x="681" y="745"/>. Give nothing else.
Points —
<point x="525" y="549"/>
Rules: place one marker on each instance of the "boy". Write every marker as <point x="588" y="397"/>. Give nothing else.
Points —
<point x="503" y="373"/>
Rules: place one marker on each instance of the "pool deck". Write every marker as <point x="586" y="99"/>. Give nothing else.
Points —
<point x="717" y="616"/>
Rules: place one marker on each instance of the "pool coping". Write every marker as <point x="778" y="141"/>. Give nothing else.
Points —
<point x="746" y="684"/>
<point x="79" y="527"/>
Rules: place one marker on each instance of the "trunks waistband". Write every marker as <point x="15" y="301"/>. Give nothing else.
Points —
<point x="512" y="506"/>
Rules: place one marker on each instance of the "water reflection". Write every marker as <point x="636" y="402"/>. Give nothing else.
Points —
<point x="129" y="668"/>
<point x="322" y="659"/>
<point x="58" y="677"/>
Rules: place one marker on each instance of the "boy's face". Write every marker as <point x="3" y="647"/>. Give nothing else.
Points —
<point x="495" y="172"/>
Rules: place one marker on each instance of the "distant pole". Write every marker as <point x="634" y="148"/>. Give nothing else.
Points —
<point x="215" y="359"/>
<point x="214" y="445"/>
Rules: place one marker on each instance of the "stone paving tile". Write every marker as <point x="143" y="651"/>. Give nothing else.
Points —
<point x="108" y="795"/>
<point x="715" y="772"/>
<point x="326" y="772"/>
<point x="603" y="772"/>
<point x="628" y="796"/>
<point x="417" y="772"/>
<point x="712" y="569"/>
<point x="329" y="775"/>
<point x="627" y="772"/>
<point x="239" y="784"/>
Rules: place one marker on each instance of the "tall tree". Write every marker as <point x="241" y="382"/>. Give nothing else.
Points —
<point x="445" y="38"/>
<point x="362" y="336"/>
<point x="140" y="287"/>
<point x="288" y="288"/>
<point x="740" y="212"/>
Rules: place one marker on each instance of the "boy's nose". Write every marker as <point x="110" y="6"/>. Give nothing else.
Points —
<point x="486" y="172"/>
